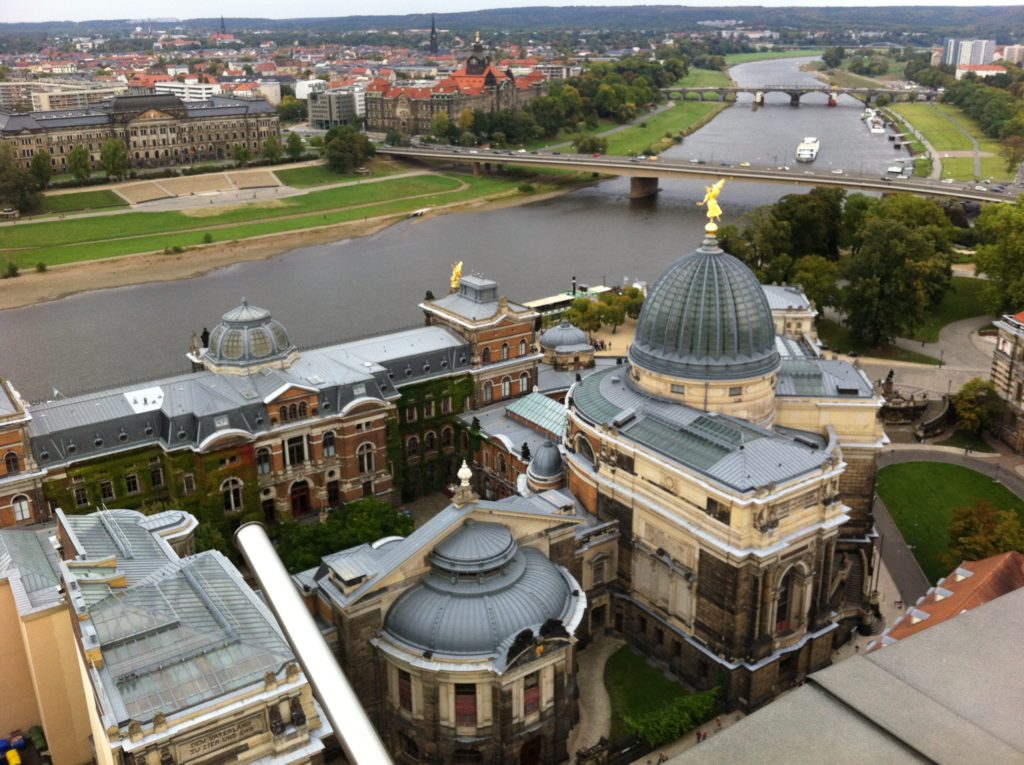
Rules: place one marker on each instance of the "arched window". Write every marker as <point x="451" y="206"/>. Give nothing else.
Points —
<point x="504" y="351"/>
<point x="303" y="409"/>
<point x="524" y="383"/>
<point x="364" y="454"/>
<point x="447" y="437"/>
<point x="502" y="467"/>
<point x="412" y="447"/>
<point x="785" y="601"/>
<point x="22" y="508"/>
<point x="232" y="491"/>
<point x="522" y="347"/>
<point x="584" y="449"/>
<point x="263" y="461"/>
<point x="293" y="411"/>
<point x="488" y="391"/>
<point x="283" y="413"/>
<point x="430" y="441"/>
<point x="330" y="446"/>
<point x="506" y="387"/>
<point x="485" y="357"/>
<point x="11" y="463"/>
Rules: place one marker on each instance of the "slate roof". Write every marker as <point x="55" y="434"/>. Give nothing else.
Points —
<point x="542" y="412"/>
<point x="822" y="377"/>
<point x="948" y="695"/>
<point x="784" y="297"/>
<point x="725" y="449"/>
<point x="29" y="557"/>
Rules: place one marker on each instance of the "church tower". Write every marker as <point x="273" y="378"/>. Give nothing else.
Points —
<point x="433" y="35"/>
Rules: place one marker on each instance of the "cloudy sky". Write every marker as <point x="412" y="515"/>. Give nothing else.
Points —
<point x="75" y="10"/>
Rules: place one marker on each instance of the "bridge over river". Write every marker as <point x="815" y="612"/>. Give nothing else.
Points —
<point x="796" y="92"/>
<point x="645" y="172"/>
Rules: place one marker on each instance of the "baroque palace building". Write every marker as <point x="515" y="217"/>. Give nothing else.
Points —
<point x="708" y="496"/>
<point x="409" y="107"/>
<point x="158" y="130"/>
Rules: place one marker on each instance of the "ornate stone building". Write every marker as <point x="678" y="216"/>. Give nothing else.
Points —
<point x="460" y="639"/>
<point x="158" y="130"/>
<point x="741" y="481"/>
<point x="1008" y="377"/>
<point x="409" y="107"/>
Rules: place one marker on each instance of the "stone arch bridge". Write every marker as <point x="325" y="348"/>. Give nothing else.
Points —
<point x="796" y="92"/>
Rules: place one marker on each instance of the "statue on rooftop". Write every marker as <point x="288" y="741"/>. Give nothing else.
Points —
<point x="711" y="200"/>
<point x="456" y="275"/>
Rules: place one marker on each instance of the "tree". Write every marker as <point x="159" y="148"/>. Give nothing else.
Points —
<point x="633" y="301"/>
<point x="611" y="308"/>
<point x="114" y="158"/>
<point x="466" y="121"/>
<point x="833" y="57"/>
<point x="240" y="155"/>
<point x="977" y="405"/>
<point x="1000" y="257"/>
<point x="345" y="149"/>
<point x="982" y="530"/>
<point x="292" y="109"/>
<point x="80" y="164"/>
<point x="272" y="149"/>
<point x="818" y="277"/>
<point x="590" y="144"/>
<point x="440" y="126"/>
<point x="301" y="546"/>
<point x="41" y="168"/>
<point x="17" y="185"/>
<point x="1012" y="150"/>
<point x="394" y="138"/>
<point x="293" y="146"/>
<point x="584" y="314"/>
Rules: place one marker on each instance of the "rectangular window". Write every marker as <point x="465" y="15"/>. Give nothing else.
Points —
<point x="404" y="690"/>
<point x="296" y="450"/>
<point x="446" y="405"/>
<point x="106" y="490"/>
<point x="333" y="493"/>
<point x="428" y="409"/>
<point x="156" y="477"/>
<point x="189" y="484"/>
<point x="132" y="483"/>
<point x="531" y="693"/>
<point x="678" y="389"/>
<point x="81" y="496"/>
<point x="718" y="511"/>
<point x="465" y="704"/>
<point x="598" y="572"/>
<point x="641" y="625"/>
<point x="410" y="414"/>
<point x="736" y="390"/>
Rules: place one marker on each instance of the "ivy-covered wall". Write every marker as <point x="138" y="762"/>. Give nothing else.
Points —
<point x="434" y="470"/>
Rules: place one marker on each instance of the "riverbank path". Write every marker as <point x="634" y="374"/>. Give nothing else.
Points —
<point x="968" y="136"/>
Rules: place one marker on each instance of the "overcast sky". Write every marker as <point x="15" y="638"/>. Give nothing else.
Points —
<point x="76" y="10"/>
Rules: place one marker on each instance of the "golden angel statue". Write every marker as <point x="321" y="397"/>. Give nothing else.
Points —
<point x="456" y="275"/>
<point x="711" y="200"/>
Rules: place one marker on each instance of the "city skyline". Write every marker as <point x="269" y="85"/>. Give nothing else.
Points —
<point x="65" y="10"/>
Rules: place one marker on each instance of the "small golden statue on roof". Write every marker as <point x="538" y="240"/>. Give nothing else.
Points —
<point x="711" y="200"/>
<point x="456" y="275"/>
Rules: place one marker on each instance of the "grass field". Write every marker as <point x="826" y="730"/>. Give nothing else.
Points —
<point x="837" y="337"/>
<point x="565" y="137"/>
<point x="683" y="117"/>
<point x="321" y="175"/>
<point x="962" y="300"/>
<point x="704" y="78"/>
<point x="89" y="238"/>
<point x="921" y="496"/>
<point x="765" y="55"/>
<point x="967" y="439"/>
<point x="635" y="688"/>
<point x="942" y="134"/>
<point x="939" y="124"/>
<point x="80" y="201"/>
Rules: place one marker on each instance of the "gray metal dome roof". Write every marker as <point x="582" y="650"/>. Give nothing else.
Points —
<point x="481" y="591"/>
<point x="706" y="317"/>
<point x="546" y="462"/>
<point x="562" y="335"/>
<point x="248" y="335"/>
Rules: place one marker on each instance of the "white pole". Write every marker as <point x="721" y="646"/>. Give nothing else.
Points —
<point x="352" y="727"/>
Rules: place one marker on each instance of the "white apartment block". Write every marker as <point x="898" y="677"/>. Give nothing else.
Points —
<point x="190" y="90"/>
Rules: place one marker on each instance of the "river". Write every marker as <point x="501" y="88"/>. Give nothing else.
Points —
<point x="356" y="287"/>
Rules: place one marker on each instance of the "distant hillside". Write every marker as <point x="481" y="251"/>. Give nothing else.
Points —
<point x="1004" y="23"/>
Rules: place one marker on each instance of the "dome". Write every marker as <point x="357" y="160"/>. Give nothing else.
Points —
<point x="246" y="336"/>
<point x="706" y="317"/>
<point x="565" y="334"/>
<point x="546" y="462"/>
<point x="481" y="590"/>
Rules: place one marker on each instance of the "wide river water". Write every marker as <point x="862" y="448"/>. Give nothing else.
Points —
<point x="356" y="287"/>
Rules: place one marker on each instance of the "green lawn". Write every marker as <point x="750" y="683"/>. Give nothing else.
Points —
<point x="565" y="136"/>
<point x="967" y="439"/>
<point x="635" y="687"/>
<point x="765" y="55"/>
<point x="963" y="299"/>
<point x="90" y="238"/>
<point x="942" y="134"/>
<point x="684" y="117"/>
<point x="704" y="78"/>
<point x="321" y="175"/>
<point x="837" y="337"/>
<point x="920" y="497"/>
<point x="81" y="200"/>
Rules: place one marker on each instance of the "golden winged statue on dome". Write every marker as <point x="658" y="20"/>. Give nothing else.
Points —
<point x="456" y="275"/>
<point x="711" y="200"/>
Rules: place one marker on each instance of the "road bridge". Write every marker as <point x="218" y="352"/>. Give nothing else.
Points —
<point x="645" y="172"/>
<point x="796" y="92"/>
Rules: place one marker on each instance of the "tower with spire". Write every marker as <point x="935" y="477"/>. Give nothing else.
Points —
<point x="223" y="29"/>
<point x="433" y="36"/>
